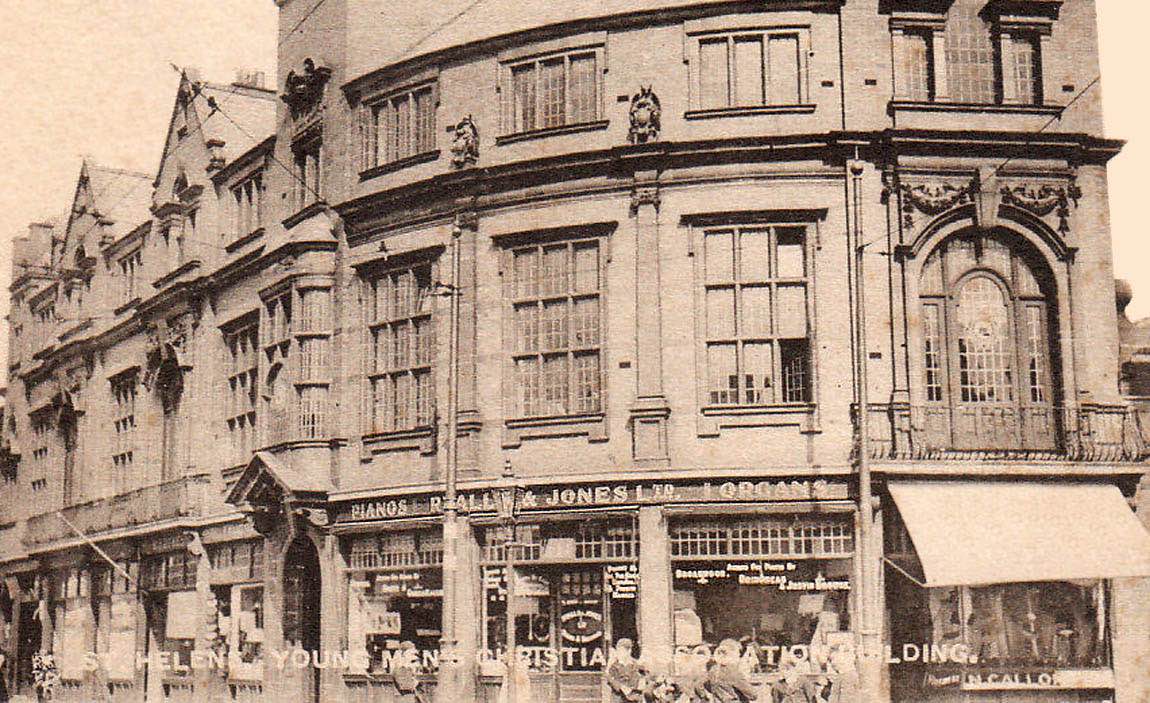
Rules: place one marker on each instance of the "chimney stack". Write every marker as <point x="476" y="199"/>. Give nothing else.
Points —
<point x="246" y="78"/>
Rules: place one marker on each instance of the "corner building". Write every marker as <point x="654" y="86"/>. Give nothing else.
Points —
<point x="786" y="323"/>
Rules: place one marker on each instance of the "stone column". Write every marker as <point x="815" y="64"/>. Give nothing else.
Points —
<point x="649" y="411"/>
<point x="656" y="610"/>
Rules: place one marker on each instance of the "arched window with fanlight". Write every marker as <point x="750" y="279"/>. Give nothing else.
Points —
<point x="987" y="373"/>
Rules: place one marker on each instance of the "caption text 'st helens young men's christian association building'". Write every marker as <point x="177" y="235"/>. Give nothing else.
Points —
<point x="783" y="322"/>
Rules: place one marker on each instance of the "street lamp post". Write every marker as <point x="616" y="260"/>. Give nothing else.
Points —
<point x="449" y="689"/>
<point x="506" y="505"/>
<point x="870" y="663"/>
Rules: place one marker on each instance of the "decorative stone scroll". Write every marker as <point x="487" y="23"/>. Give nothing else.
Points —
<point x="933" y="199"/>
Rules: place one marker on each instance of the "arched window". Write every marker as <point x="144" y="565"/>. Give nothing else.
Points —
<point x="986" y="354"/>
<point x="970" y="58"/>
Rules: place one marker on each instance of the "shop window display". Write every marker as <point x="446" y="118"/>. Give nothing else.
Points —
<point x="1057" y="624"/>
<point x="575" y="593"/>
<point x="760" y="604"/>
<point x="395" y="598"/>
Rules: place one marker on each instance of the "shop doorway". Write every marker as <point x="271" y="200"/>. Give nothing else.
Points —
<point x="27" y="644"/>
<point x="301" y="616"/>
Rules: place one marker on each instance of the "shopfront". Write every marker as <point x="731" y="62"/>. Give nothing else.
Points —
<point x="682" y="570"/>
<point x="1003" y="592"/>
<point x="173" y="620"/>
<point x="395" y="596"/>
<point x="773" y="592"/>
<point x="237" y="641"/>
<point x="574" y="592"/>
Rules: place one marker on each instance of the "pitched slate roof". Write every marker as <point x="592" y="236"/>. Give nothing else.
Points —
<point x="244" y="118"/>
<point x="121" y="196"/>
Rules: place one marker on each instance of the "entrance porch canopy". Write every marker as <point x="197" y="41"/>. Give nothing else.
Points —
<point x="973" y="534"/>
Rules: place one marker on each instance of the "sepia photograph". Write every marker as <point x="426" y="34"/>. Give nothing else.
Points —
<point x="518" y="351"/>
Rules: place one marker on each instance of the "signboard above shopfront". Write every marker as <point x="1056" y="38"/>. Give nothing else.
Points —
<point x="550" y="497"/>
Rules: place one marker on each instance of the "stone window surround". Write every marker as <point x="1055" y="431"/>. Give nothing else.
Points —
<point x="711" y="419"/>
<point x="588" y="42"/>
<point x="592" y="425"/>
<point x="764" y="23"/>
<point x="375" y="96"/>
<point x="924" y="17"/>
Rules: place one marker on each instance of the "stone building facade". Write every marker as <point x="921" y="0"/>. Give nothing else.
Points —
<point x="778" y="331"/>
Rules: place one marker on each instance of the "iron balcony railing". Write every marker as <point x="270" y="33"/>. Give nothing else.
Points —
<point x="975" y="432"/>
<point x="183" y="497"/>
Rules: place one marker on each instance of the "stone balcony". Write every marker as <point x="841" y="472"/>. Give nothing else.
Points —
<point x="181" y="498"/>
<point x="1093" y="433"/>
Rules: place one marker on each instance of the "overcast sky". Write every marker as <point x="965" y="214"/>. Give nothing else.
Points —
<point x="94" y="77"/>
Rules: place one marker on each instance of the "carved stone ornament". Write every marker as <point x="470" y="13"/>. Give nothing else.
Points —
<point x="932" y="199"/>
<point x="644" y="195"/>
<point x="1042" y="200"/>
<point x="646" y="116"/>
<point x="464" y="143"/>
<point x="317" y="517"/>
<point x="302" y="91"/>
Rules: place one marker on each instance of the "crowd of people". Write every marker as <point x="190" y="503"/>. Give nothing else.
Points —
<point x="721" y="675"/>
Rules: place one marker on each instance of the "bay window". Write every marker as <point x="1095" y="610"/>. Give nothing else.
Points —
<point x="242" y="342"/>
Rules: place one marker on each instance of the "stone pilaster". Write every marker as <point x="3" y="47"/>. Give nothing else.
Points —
<point x="650" y="411"/>
<point x="656" y="611"/>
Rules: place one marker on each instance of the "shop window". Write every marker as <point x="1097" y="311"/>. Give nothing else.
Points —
<point x="575" y="592"/>
<point x="403" y="349"/>
<point x="395" y="596"/>
<point x="1033" y="632"/>
<point x="556" y="304"/>
<point x="71" y="611"/>
<point x="114" y="608"/>
<point x="789" y="580"/>
<point x="239" y="631"/>
<point x="755" y="305"/>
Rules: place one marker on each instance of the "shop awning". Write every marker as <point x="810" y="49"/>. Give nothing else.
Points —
<point x="985" y="533"/>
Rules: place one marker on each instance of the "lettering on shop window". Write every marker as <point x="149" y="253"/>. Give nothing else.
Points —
<point x="600" y="495"/>
<point x="761" y="574"/>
